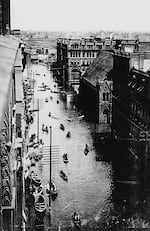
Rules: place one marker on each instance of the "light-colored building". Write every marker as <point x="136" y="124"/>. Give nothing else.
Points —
<point x="79" y="54"/>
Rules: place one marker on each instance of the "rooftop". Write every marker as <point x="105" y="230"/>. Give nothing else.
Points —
<point x="100" y="67"/>
<point x="8" y="50"/>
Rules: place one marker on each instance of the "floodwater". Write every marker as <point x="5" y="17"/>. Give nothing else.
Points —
<point x="95" y="189"/>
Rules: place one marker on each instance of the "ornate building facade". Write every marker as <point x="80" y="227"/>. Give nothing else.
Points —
<point x="74" y="56"/>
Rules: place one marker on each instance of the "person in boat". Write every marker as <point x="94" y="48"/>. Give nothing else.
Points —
<point x="41" y="141"/>
<point x="46" y="129"/>
<point x="49" y="114"/>
<point x="43" y="127"/>
<point x="65" y="156"/>
<point x="68" y="135"/>
<point x="86" y="150"/>
<point x="57" y="101"/>
<point x="76" y="216"/>
<point x="62" y="127"/>
<point x="63" y="174"/>
<point x="87" y="147"/>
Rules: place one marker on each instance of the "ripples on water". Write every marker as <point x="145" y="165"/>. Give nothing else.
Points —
<point x="101" y="191"/>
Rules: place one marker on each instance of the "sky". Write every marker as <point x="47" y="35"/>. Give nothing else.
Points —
<point x="81" y="15"/>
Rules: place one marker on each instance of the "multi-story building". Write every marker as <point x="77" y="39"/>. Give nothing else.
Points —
<point x="95" y="92"/>
<point x="11" y="112"/>
<point x="4" y="17"/>
<point x="74" y="56"/>
<point x="131" y="113"/>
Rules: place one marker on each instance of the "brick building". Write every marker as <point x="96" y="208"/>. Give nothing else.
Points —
<point x="95" y="98"/>
<point x="74" y="56"/>
<point x="131" y="114"/>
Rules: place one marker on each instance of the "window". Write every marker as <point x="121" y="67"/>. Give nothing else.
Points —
<point x="107" y="96"/>
<point x="103" y="96"/>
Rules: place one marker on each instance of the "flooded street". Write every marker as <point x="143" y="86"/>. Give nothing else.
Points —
<point x="88" y="188"/>
<point x="94" y="188"/>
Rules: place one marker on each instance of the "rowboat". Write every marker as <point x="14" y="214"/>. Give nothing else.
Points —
<point x="53" y="192"/>
<point x="86" y="150"/>
<point x="40" y="203"/>
<point x="65" y="158"/>
<point x="35" y="179"/>
<point x="63" y="176"/>
<point x="39" y="190"/>
<point x="76" y="220"/>
<point x="62" y="127"/>
<point x="68" y="135"/>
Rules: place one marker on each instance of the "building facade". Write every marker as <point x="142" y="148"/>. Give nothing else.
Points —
<point x="11" y="114"/>
<point x="131" y="114"/>
<point x="5" y="25"/>
<point x="74" y="56"/>
<point x="95" y="92"/>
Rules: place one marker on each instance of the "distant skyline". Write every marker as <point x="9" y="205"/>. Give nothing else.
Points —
<point x="81" y="15"/>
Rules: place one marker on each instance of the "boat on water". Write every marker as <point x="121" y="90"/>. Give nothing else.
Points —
<point x="70" y="120"/>
<point x="39" y="190"/>
<point x="76" y="220"/>
<point x="62" y="127"/>
<point x="35" y="179"/>
<point x="53" y="192"/>
<point x="63" y="175"/>
<point x="80" y="117"/>
<point x="30" y="145"/>
<point x="86" y="150"/>
<point x="46" y="100"/>
<point x="35" y="145"/>
<point x="38" y="156"/>
<point x="65" y="158"/>
<point x="68" y="135"/>
<point x="40" y="203"/>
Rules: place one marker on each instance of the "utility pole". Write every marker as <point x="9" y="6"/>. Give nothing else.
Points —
<point x="38" y="114"/>
<point x="50" y="172"/>
<point x="33" y="88"/>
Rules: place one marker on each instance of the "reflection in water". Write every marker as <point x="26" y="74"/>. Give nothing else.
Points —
<point x="106" y="193"/>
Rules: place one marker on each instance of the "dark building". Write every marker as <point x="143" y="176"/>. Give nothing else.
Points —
<point x="4" y="17"/>
<point x="95" y="98"/>
<point x="131" y="113"/>
<point x="62" y="64"/>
